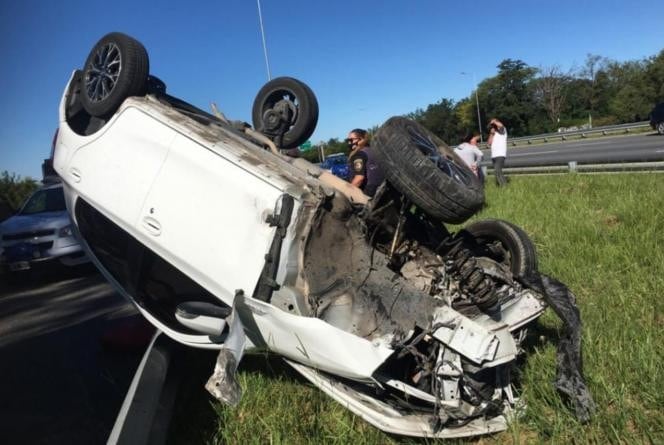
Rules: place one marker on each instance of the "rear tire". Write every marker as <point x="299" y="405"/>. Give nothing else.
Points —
<point x="285" y="110"/>
<point x="660" y="128"/>
<point x="428" y="172"/>
<point x="116" y="68"/>
<point x="505" y="243"/>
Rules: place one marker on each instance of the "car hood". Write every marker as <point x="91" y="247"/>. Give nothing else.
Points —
<point x="36" y="221"/>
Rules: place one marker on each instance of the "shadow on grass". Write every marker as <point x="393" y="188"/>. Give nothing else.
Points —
<point x="194" y="417"/>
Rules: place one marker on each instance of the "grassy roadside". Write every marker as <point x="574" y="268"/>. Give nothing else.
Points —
<point x="601" y="235"/>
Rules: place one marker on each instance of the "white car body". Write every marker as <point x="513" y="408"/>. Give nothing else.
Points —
<point x="200" y="198"/>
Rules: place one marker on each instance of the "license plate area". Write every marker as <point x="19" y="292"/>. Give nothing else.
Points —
<point x="19" y="265"/>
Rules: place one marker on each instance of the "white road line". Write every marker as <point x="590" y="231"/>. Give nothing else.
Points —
<point x="532" y="154"/>
<point x="659" y="151"/>
<point x="587" y="144"/>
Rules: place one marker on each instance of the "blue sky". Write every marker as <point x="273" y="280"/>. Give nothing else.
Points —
<point x="365" y="60"/>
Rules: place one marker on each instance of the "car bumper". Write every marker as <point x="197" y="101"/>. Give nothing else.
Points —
<point x="26" y="256"/>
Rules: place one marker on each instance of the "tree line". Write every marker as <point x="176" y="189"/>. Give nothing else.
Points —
<point x="534" y="100"/>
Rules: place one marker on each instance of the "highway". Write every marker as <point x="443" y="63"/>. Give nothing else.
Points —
<point x="607" y="149"/>
<point x="62" y="381"/>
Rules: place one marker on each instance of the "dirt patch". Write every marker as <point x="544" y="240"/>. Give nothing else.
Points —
<point x="612" y="221"/>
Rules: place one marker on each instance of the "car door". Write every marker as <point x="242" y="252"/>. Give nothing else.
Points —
<point x="206" y="214"/>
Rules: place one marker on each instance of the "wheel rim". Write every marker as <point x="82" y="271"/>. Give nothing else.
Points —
<point x="102" y="73"/>
<point x="279" y="111"/>
<point x="444" y="163"/>
<point x="660" y="128"/>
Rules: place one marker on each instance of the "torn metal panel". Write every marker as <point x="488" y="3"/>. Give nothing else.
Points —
<point x="395" y="421"/>
<point x="310" y="340"/>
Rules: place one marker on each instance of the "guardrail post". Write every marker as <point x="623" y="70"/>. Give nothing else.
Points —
<point x="572" y="166"/>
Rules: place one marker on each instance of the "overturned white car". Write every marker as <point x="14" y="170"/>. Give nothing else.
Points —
<point x="223" y="242"/>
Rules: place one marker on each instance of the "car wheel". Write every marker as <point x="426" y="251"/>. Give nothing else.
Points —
<point x="660" y="128"/>
<point x="505" y="243"/>
<point x="428" y="172"/>
<point x="285" y="110"/>
<point x="116" y="68"/>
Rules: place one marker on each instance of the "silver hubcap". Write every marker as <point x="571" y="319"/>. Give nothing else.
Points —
<point x="660" y="128"/>
<point x="102" y="73"/>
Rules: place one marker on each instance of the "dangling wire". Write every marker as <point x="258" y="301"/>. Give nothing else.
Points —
<point x="260" y="19"/>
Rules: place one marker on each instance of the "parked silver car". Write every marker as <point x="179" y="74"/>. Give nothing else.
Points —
<point x="41" y="232"/>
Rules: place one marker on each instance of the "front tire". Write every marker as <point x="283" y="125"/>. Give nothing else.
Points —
<point x="505" y="243"/>
<point x="428" y="172"/>
<point x="116" y="68"/>
<point x="660" y="128"/>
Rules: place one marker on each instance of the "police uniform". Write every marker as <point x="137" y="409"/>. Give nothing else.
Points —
<point x="361" y="163"/>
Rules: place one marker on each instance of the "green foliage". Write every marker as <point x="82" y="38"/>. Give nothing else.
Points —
<point x="440" y="118"/>
<point x="14" y="190"/>
<point x="540" y="100"/>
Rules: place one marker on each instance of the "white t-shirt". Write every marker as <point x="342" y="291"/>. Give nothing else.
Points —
<point x="469" y="153"/>
<point x="499" y="144"/>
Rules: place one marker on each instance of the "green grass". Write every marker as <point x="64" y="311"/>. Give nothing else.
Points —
<point x="603" y="235"/>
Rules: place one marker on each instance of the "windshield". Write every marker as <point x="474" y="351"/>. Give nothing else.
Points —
<point x="49" y="200"/>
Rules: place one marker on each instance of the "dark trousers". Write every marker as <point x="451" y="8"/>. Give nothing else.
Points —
<point x="498" y="163"/>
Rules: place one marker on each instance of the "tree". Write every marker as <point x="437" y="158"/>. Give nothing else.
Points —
<point x="441" y="118"/>
<point x="594" y="72"/>
<point x="509" y="96"/>
<point x="550" y="92"/>
<point x="14" y="190"/>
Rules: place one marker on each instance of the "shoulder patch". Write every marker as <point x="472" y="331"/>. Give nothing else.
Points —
<point x="358" y="165"/>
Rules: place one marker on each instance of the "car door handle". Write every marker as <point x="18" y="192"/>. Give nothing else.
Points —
<point x="75" y="173"/>
<point x="152" y="225"/>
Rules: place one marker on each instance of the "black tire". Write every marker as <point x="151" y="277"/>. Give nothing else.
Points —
<point x="506" y="243"/>
<point x="116" y="68"/>
<point x="445" y="188"/>
<point x="660" y="127"/>
<point x="285" y="110"/>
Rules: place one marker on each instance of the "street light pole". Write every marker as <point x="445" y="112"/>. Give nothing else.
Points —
<point x="477" y="102"/>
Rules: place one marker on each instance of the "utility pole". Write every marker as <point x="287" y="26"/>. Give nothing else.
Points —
<point x="260" y="20"/>
<point x="477" y="103"/>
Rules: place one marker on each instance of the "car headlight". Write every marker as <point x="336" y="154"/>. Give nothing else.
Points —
<point x="66" y="231"/>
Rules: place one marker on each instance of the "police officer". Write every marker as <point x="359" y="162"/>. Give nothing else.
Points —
<point x="364" y="171"/>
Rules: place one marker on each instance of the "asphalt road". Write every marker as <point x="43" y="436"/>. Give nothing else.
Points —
<point x="608" y="149"/>
<point x="64" y="366"/>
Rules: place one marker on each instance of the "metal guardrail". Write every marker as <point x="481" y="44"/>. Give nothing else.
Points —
<point x="622" y="128"/>
<point x="573" y="167"/>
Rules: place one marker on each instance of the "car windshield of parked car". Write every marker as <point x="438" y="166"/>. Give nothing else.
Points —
<point x="49" y="200"/>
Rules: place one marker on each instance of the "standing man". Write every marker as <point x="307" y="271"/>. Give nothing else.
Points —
<point x="498" y="143"/>
<point x="364" y="171"/>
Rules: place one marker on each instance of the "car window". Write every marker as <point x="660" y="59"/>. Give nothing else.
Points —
<point x="48" y="200"/>
<point x="151" y="281"/>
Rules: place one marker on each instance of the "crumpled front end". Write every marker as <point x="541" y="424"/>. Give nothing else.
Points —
<point x="455" y="323"/>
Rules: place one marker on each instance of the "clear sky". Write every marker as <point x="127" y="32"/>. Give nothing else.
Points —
<point x="365" y="60"/>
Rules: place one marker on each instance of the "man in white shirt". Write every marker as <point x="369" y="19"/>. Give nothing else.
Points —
<point x="498" y="143"/>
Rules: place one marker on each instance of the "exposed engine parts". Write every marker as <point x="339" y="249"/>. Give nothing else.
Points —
<point x="462" y="266"/>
